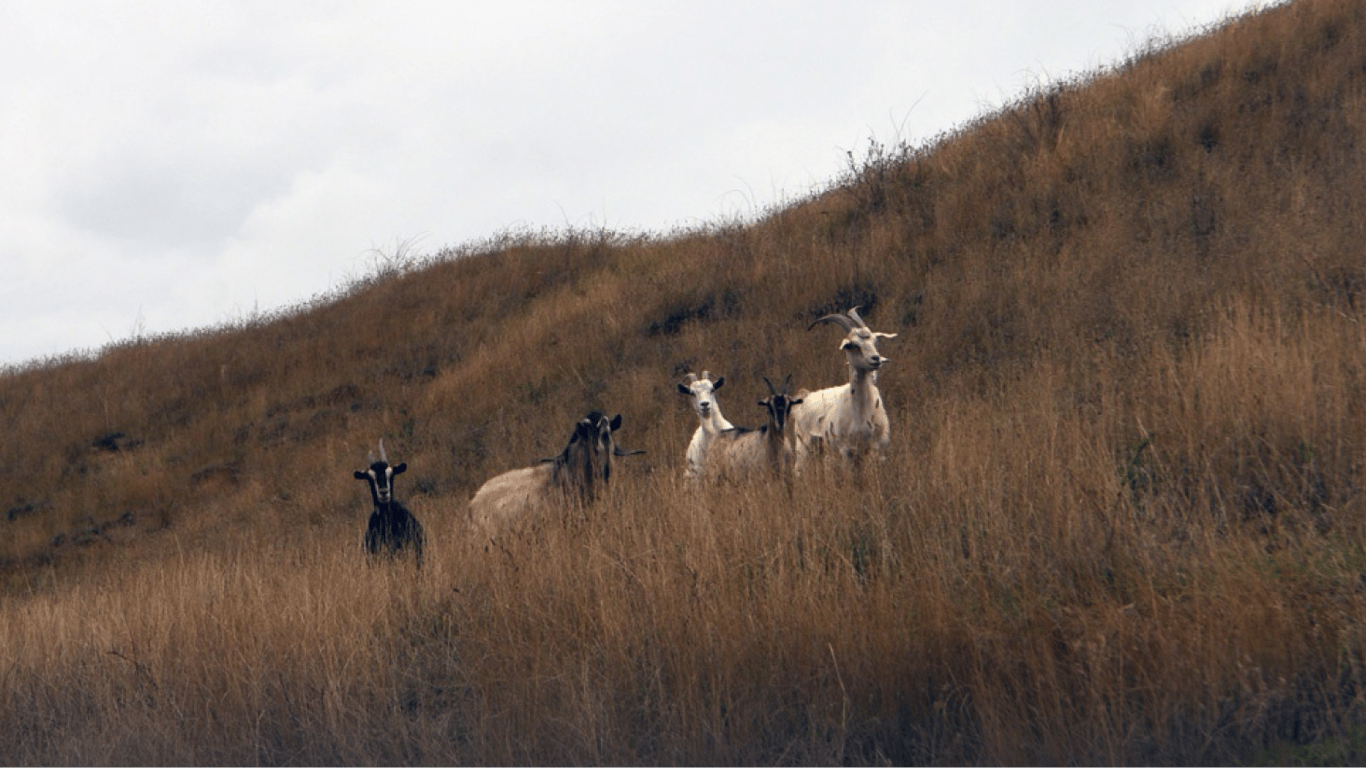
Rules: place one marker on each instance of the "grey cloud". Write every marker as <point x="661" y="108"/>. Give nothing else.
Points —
<point x="168" y="205"/>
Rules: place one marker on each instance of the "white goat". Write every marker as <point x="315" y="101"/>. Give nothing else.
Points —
<point x="702" y="393"/>
<point x="749" y="454"/>
<point x="849" y="418"/>
<point x="577" y="475"/>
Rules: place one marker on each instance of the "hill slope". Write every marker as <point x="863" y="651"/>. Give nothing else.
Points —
<point x="1120" y="520"/>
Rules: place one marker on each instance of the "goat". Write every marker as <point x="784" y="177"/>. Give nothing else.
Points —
<point x="849" y="418"/>
<point x="747" y="454"/>
<point x="577" y="475"/>
<point x="392" y="527"/>
<point x="702" y="393"/>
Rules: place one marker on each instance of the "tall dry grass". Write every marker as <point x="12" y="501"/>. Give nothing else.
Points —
<point x="1120" y="520"/>
<point x="1175" y="580"/>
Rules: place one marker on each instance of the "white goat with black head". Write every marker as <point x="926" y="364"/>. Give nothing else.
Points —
<point x="849" y="418"/>
<point x="578" y="475"/>
<point x="702" y="394"/>
<point x="392" y="527"/>
<point x="769" y="451"/>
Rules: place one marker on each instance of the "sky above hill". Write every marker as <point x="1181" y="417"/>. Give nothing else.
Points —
<point x="171" y="166"/>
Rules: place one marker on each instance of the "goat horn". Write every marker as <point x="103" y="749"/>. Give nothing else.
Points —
<point x="854" y="314"/>
<point x="771" y="390"/>
<point x="840" y="320"/>
<point x="382" y="455"/>
<point x="690" y="378"/>
<point x="706" y="375"/>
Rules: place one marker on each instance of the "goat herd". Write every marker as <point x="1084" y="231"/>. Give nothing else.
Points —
<point x="848" y="420"/>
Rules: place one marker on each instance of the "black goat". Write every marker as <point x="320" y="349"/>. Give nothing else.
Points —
<point x="392" y="527"/>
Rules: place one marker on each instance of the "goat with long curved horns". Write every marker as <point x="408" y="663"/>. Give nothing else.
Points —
<point x="849" y="418"/>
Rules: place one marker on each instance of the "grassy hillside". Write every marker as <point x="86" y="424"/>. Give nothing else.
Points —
<point x="1121" y="519"/>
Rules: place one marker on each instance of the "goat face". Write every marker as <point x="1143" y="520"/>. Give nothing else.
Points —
<point x="381" y="478"/>
<point x="588" y="456"/>
<point x="860" y="342"/>
<point x="594" y="432"/>
<point x="702" y="392"/>
<point x="779" y="405"/>
<point x="593" y="437"/>
<point x="598" y="429"/>
<point x="860" y="346"/>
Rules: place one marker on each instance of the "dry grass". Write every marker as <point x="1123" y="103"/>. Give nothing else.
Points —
<point x="1120" y="521"/>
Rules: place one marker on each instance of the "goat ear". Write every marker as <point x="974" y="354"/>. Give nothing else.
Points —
<point x="683" y="389"/>
<point x="881" y="335"/>
<point x="616" y="422"/>
<point x="619" y="451"/>
<point x="846" y="344"/>
<point x="798" y="401"/>
<point x="362" y="476"/>
<point x="719" y="382"/>
<point x="401" y="468"/>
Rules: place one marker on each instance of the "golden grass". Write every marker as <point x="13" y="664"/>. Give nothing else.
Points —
<point x="1026" y="585"/>
<point x="1120" y="520"/>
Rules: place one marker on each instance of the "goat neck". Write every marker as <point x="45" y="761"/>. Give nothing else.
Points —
<point x="862" y="386"/>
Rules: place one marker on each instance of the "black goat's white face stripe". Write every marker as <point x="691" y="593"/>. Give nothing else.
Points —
<point x="383" y="485"/>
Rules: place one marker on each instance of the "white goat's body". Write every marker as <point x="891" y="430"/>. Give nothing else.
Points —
<point x="849" y="419"/>
<point x="513" y="495"/>
<point x="749" y="455"/>
<point x="702" y="439"/>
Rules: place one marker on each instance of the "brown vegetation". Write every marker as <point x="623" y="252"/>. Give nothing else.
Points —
<point x="1120" y="521"/>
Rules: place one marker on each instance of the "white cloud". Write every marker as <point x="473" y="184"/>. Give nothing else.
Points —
<point x="174" y="165"/>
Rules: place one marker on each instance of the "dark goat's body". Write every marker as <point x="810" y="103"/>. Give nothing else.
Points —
<point x="393" y="528"/>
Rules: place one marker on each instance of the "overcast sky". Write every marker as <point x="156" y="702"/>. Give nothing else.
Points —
<point x="171" y="166"/>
